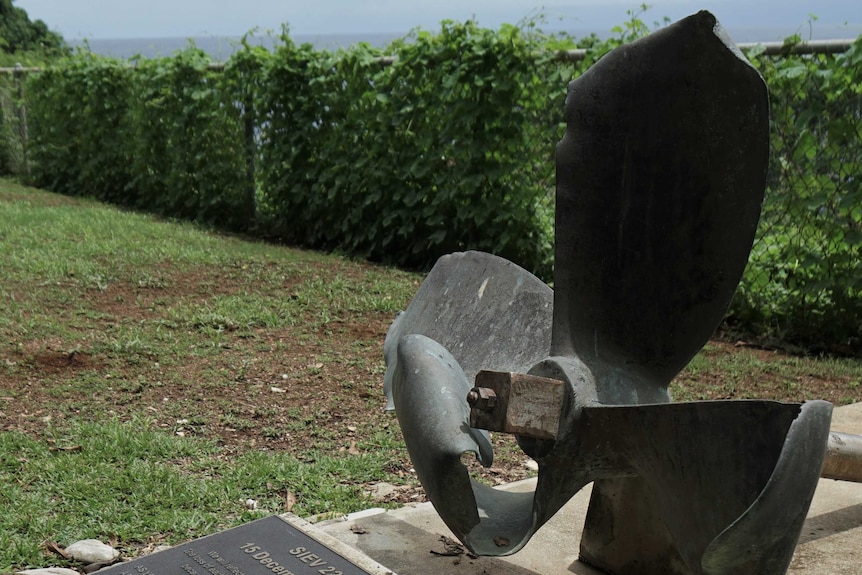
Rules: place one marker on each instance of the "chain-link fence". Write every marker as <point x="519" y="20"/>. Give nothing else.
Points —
<point x="803" y="284"/>
<point x="804" y="279"/>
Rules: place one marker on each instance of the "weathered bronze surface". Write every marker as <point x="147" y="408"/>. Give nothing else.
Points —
<point x="660" y="177"/>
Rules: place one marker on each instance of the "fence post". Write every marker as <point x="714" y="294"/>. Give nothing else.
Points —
<point x="22" y="116"/>
<point x="250" y="152"/>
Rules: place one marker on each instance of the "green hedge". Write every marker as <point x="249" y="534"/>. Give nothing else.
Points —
<point x="804" y="279"/>
<point x="79" y="127"/>
<point x="446" y="149"/>
<point x="449" y="148"/>
<point x="187" y="141"/>
<point x="164" y="136"/>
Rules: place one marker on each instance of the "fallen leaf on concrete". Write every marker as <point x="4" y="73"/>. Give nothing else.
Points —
<point x="451" y="548"/>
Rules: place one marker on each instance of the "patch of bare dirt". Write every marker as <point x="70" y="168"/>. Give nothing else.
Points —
<point x="52" y="362"/>
<point x="314" y="385"/>
<point x="295" y="389"/>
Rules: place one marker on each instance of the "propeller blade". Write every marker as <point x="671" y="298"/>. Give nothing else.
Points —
<point x="660" y="177"/>
<point x="722" y="487"/>
<point x="774" y="521"/>
<point x="487" y="311"/>
<point x="429" y="390"/>
<point x="472" y="311"/>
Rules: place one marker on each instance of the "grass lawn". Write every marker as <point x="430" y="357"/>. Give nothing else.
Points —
<point x="155" y="376"/>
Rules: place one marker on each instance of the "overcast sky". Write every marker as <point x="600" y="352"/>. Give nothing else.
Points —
<point x="187" y="18"/>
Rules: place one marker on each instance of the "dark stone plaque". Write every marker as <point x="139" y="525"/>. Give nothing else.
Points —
<point x="269" y="546"/>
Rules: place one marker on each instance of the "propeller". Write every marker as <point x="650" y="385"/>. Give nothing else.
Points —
<point x="660" y="177"/>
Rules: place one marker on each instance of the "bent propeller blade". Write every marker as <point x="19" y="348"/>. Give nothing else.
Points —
<point x="473" y="311"/>
<point x="428" y="375"/>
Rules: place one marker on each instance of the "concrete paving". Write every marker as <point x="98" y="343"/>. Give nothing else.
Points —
<point x="408" y="540"/>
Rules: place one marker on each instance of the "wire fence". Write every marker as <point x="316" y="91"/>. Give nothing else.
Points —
<point x="804" y="280"/>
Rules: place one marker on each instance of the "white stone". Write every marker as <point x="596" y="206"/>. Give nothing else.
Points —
<point x="92" y="551"/>
<point x="48" y="571"/>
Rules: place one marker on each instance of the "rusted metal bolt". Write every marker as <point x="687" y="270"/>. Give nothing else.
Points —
<point x="482" y="398"/>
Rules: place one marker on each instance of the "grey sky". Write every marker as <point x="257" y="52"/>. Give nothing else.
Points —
<point x="186" y="18"/>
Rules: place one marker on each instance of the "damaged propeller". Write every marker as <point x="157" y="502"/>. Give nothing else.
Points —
<point x="660" y="178"/>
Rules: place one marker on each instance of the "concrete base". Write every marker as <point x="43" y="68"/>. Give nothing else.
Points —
<point x="408" y="540"/>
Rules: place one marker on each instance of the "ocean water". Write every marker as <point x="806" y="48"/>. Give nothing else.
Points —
<point x="221" y="47"/>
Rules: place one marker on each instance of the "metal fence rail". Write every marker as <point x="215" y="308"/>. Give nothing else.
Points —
<point x="769" y="49"/>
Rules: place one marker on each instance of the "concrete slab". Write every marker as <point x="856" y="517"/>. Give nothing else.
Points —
<point x="831" y="540"/>
<point x="409" y="540"/>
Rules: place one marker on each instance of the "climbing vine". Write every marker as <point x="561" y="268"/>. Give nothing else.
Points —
<point x="448" y="148"/>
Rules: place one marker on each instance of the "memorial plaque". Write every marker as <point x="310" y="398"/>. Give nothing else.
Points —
<point x="269" y="546"/>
